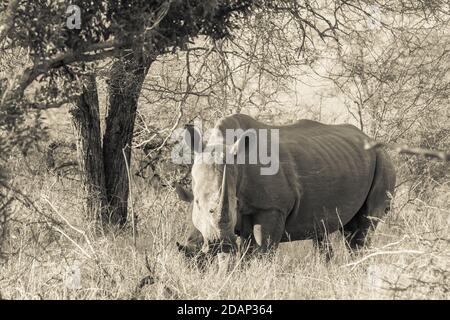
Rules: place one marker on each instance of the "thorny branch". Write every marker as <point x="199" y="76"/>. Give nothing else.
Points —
<point x="436" y="154"/>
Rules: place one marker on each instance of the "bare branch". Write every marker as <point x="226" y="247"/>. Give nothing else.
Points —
<point x="436" y="154"/>
<point x="353" y="265"/>
<point x="54" y="105"/>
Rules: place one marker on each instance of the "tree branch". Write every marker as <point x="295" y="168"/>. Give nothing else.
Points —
<point x="107" y="49"/>
<point x="436" y="154"/>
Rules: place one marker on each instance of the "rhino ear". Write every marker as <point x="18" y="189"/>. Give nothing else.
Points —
<point x="247" y="141"/>
<point x="183" y="194"/>
<point x="193" y="138"/>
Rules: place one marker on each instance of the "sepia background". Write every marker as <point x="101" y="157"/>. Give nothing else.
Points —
<point x="88" y="208"/>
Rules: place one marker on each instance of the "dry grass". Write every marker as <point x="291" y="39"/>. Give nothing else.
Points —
<point x="409" y="257"/>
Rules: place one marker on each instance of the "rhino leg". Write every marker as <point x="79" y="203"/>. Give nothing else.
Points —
<point x="356" y="230"/>
<point x="247" y="244"/>
<point x="268" y="228"/>
<point x="376" y="206"/>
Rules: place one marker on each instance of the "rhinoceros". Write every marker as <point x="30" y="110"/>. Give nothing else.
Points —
<point x="326" y="181"/>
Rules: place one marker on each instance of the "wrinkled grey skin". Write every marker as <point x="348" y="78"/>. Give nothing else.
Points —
<point x="327" y="181"/>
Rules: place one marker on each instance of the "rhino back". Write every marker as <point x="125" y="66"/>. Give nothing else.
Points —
<point x="324" y="178"/>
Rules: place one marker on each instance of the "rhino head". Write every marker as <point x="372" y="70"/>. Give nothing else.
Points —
<point x="213" y="197"/>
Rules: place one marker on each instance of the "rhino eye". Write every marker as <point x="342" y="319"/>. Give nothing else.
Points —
<point x="211" y="211"/>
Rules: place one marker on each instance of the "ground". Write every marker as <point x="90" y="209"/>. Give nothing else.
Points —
<point x="51" y="255"/>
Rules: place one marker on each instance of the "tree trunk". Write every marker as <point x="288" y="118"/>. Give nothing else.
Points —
<point x="125" y="83"/>
<point x="86" y="120"/>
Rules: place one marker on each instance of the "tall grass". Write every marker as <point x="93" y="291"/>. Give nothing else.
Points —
<point x="49" y="246"/>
